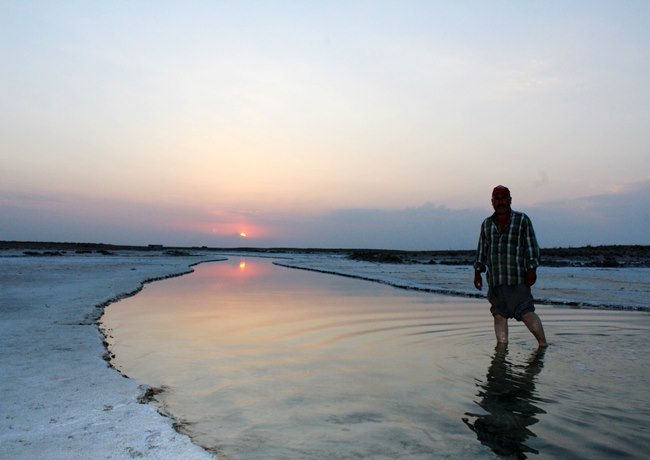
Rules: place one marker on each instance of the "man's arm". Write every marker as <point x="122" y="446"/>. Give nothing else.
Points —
<point x="478" y="280"/>
<point x="532" y="252"/>
<point x="531" y="277"/>
<point x="481" y="257"/>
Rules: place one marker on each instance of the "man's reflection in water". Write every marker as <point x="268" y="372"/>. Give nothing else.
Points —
<point x="508" y="397"/>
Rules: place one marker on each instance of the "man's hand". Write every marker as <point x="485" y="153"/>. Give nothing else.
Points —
<point x="478" y="280"/>
<point x="531" y="277"/>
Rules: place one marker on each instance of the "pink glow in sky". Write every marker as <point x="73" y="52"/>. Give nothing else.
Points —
<point x="323" y="124"/>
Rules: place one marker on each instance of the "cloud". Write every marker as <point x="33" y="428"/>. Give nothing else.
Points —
<point x="618" y="217"/>
<point x="621" y="217"/>
<point x="425" y="227"/>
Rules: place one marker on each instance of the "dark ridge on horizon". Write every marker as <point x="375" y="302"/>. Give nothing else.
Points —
<point x="577" y="250"/>
<point x="608" y="256"/>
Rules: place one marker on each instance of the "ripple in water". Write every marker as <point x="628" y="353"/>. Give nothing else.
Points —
<point x="267" y="362"/>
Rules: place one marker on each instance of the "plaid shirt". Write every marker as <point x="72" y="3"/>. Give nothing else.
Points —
<point x="509" y="253"/>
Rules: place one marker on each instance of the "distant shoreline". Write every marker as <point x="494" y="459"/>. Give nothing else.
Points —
<point x="604" y="256"/>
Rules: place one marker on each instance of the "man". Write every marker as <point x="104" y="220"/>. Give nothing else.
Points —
<point x="508" y="250"/>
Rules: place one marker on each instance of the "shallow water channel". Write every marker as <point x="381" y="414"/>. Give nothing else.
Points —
<point x="261" y="361"/>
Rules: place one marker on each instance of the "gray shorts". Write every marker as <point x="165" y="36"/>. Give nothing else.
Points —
<point x="510" y="301"/>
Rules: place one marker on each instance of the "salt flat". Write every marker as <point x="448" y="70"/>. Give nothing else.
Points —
<point x="59" y="399"/>
<point x="626" y="288"/>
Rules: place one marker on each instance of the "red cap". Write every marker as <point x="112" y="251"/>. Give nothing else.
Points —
<point x="501" y="190"/>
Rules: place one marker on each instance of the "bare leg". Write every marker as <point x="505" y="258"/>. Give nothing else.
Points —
<point x="534" y="325"/>
<point x="501" y="329"/>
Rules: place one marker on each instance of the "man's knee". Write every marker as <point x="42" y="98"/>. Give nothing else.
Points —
<point x="530" y="318"/>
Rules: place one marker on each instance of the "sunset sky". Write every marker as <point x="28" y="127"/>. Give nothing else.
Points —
<point x="323" y="124"/>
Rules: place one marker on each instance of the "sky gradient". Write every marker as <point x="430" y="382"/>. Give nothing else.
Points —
<point x="323" y="124"/>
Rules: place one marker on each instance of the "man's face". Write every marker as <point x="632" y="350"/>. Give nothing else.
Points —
<point x="501" y="203"/>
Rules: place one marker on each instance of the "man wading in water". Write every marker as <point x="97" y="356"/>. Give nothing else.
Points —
<point x="508" y="250"/>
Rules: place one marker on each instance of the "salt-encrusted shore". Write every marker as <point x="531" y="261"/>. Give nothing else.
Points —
<point x="59" y="398"/>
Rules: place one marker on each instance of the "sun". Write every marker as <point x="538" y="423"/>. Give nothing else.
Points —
<point x="243" y="234"/>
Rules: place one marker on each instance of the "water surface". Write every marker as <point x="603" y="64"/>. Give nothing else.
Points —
<point x="268" y="362"/>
